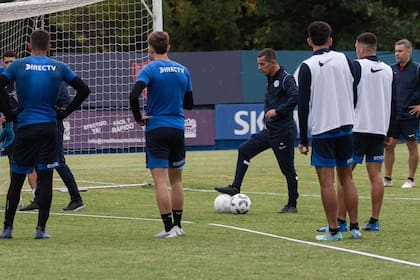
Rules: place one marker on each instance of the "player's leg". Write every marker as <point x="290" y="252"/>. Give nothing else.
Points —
<point x="46" y="140"/>
<point x="157" y="160"/>
<point x="76" y="202"/>
<point x="283" y="147"/>
<point x="323" y="158"/>
<point x="23" y="161"/>
<point x="413" y="158"/>
<point x="390" y="142"/>
<point x="176" y="164"/>
<point x="410" y="132"/>
<point x="328" y="195"/>
<point x="258" y="143"/>
<point x="344" y="155"/>
<point x="377" y="194"/>
<point x="177" y="199"/>
<point x="374" y="160"/>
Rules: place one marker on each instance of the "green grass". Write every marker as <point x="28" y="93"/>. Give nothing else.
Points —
<point x="89" y="247"/>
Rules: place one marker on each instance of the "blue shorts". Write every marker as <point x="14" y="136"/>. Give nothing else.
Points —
<point x="369" y="145"/>
<point x="331" y="152"/>
<point x="35" y="144"/>
<point x="407" y="129"/>
<point x="165" y="148"/>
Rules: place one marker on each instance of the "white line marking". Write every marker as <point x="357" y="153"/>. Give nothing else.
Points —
<point x="320" y="245"/>
<point x="98" y="216"/>
<point x="300" y="195"/>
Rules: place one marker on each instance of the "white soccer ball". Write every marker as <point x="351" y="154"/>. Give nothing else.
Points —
<point x="240" y="204"/>
<point x="222" y="203"/>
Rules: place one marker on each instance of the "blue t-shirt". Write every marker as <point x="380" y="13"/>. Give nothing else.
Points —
<point x="167" y="82"/>
<point x="38" y="81"/>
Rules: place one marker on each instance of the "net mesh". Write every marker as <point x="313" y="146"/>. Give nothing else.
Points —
<point x="105" y="43"/>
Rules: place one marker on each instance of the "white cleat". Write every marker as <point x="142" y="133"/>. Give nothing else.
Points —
<point x="387" y="183"/>
<point x="408" y="184"/>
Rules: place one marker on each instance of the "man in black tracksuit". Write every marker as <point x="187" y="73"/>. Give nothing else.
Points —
<point x="405" y="112"/>
<point x="279" y="132"/>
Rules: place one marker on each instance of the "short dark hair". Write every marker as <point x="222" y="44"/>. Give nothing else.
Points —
<point x="9" y="54"/>
<point x="268" y="53"/>
<point x="159" y="41"/>
<point x="319" y="32"/>
<point x="368" y="39"/>
<point x="40" y="40"/>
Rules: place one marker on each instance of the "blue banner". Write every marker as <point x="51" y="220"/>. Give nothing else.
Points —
<point x="238" y="121"/>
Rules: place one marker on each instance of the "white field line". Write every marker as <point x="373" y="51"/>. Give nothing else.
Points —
<point x="98" y="216"/>
<point x="300" y="195"/>
<point x="320" y="245"/>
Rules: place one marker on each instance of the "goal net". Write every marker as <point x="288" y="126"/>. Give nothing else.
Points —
<point x="105" y="43"/>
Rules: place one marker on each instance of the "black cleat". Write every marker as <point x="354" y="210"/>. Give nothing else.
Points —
<point x="288" y="209"/>
<point x="32" y="206"/>
<point x="74" y="206"/>
<point x="228" y="190"/>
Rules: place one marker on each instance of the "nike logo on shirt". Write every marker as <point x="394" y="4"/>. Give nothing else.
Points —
<point x="322" y="63"/>
<point x="375" y="70"/>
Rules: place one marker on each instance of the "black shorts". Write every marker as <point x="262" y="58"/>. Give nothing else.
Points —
<point x="165" y="148"/>
<point x="332" y="152"/>
<point x="35" y="145"/>
<point x="408" y="129"/>
<point x="369" y="145"/>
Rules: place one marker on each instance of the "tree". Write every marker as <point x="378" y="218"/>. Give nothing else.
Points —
<point x="203" y="25"/>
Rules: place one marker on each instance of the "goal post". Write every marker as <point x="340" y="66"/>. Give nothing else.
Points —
<point x="105" y="43"/>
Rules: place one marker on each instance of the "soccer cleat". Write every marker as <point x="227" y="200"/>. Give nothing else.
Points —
<point x="179" y="231"/>
<point x="7" y="233"/>
<point x="408" y="184"/>
<point x="371" y="227"/>
<point x="74" y="206"/>
<point x="355" y="234"/>
<point x="329" y="237"/>
<point x="387" y="183"/>
<point x="41" y="234"/>
<point x="288" y="209"/>
<point x="230" y="190"/>
<point x="167" y="234"/>
<point x="21" y="204"/>
<point x="342" y="227"/>
<point x="32" y="206"/>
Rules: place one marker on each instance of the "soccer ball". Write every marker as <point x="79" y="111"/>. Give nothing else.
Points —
<point x="222" y="203"/>
<point x="240" y="204"/>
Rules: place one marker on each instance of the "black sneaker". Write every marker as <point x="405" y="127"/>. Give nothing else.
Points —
<point x="288" y="209"/>
<point x="32" y="206"/>
<point x="227" y="190"/>
<point x="74" y="206"/>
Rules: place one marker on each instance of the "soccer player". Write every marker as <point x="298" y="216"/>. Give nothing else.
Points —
<point x="38" y="79"/>
<point x="373" y="112"/>
<point x="279" y="133"/>
<point x="8" y="133"/>
<point x="405" y="119"/>
<point x="326" y="91"/>
<point x="169" y="92"/>
<point x="76" y="201"/>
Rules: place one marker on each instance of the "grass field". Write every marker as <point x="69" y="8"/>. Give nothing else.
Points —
<point x="112" y="237"/>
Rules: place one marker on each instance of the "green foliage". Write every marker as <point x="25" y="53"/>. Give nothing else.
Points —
<point x="204" y="25"/>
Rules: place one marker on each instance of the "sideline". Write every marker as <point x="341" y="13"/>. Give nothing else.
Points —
<point x="98" y="216"/>
<point x="323" y="245"/>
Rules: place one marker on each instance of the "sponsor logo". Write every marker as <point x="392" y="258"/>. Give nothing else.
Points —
<point x="322" y="63"/>
<point x="171" y="69"/>
<point x="282" y="146"/>
<point x="376" y="70"/>
<point x="34" y="67"/>
<point x="276" y="83"/>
